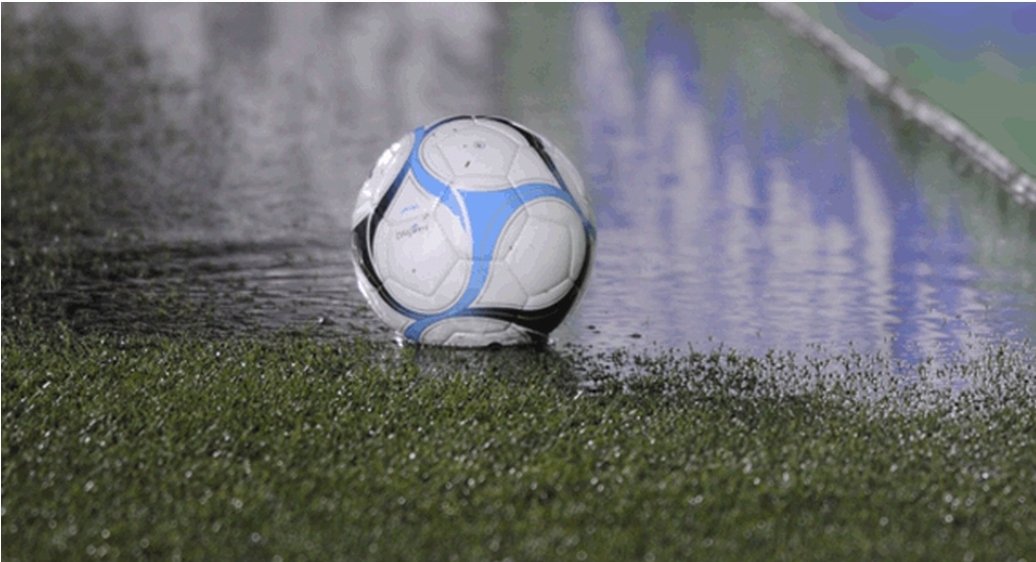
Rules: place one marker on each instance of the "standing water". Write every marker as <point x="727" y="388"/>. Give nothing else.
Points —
<point x="748" y="193"/>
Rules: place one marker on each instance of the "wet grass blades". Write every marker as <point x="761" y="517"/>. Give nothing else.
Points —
<point x="288" y="448"/>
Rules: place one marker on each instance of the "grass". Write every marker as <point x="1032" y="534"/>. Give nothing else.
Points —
<point x="287" y="448"/>
<point x="123" y="444"/>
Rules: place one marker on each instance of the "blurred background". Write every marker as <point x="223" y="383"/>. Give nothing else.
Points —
<point x="977" y="61"/>
<point x="748" y="193"/>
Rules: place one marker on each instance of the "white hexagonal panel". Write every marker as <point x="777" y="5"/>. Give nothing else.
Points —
<point x="502" y="288"/>
<point x="411" y="203"/>
<point x="473" y="157"/>
<point x="417" y="261"/>
<point x="529" y="167"/>
<point x="457" y="235"/>
<point x="540" y="258"/>
<point x="432" y="158"/>
<point x="444" y="293"/>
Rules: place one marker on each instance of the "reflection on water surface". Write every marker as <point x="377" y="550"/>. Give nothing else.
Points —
<point x="747" y="193"/>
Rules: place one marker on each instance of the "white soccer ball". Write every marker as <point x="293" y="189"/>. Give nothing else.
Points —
<point x="473" y="231"/>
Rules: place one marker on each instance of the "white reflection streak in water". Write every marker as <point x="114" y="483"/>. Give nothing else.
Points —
<point x="703" y="266"/>
<point x="872" y="212"/>
<point x="606" y="86"/>
<point x="311" y="94"/>
<point x="289" y="106"/>
<point x="679" y="155"/>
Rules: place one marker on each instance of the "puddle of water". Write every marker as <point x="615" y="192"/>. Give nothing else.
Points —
<point x="747" y="193"/>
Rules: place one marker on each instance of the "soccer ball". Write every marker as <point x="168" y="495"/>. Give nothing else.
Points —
<point x="473" y="231"/>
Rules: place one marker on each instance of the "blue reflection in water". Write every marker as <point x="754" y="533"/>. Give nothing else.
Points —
<point x="914" y="290"/>
<point x="732" y="220"/>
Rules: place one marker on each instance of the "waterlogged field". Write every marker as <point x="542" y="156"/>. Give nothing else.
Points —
<point x="187" y="373"/>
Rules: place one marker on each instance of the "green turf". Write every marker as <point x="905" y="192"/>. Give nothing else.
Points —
<point x="118" y="444"/>
<point x="251" y="450"/>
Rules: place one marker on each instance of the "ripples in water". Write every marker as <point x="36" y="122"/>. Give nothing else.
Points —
<point x="748" y="194"/>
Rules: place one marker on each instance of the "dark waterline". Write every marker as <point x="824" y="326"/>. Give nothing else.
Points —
<point x="747" y="194"/>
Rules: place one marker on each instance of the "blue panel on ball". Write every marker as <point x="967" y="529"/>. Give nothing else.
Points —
<point x="484" y="214"/>
<point x="488" y="213"/>
<point x="428" y="181"/>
